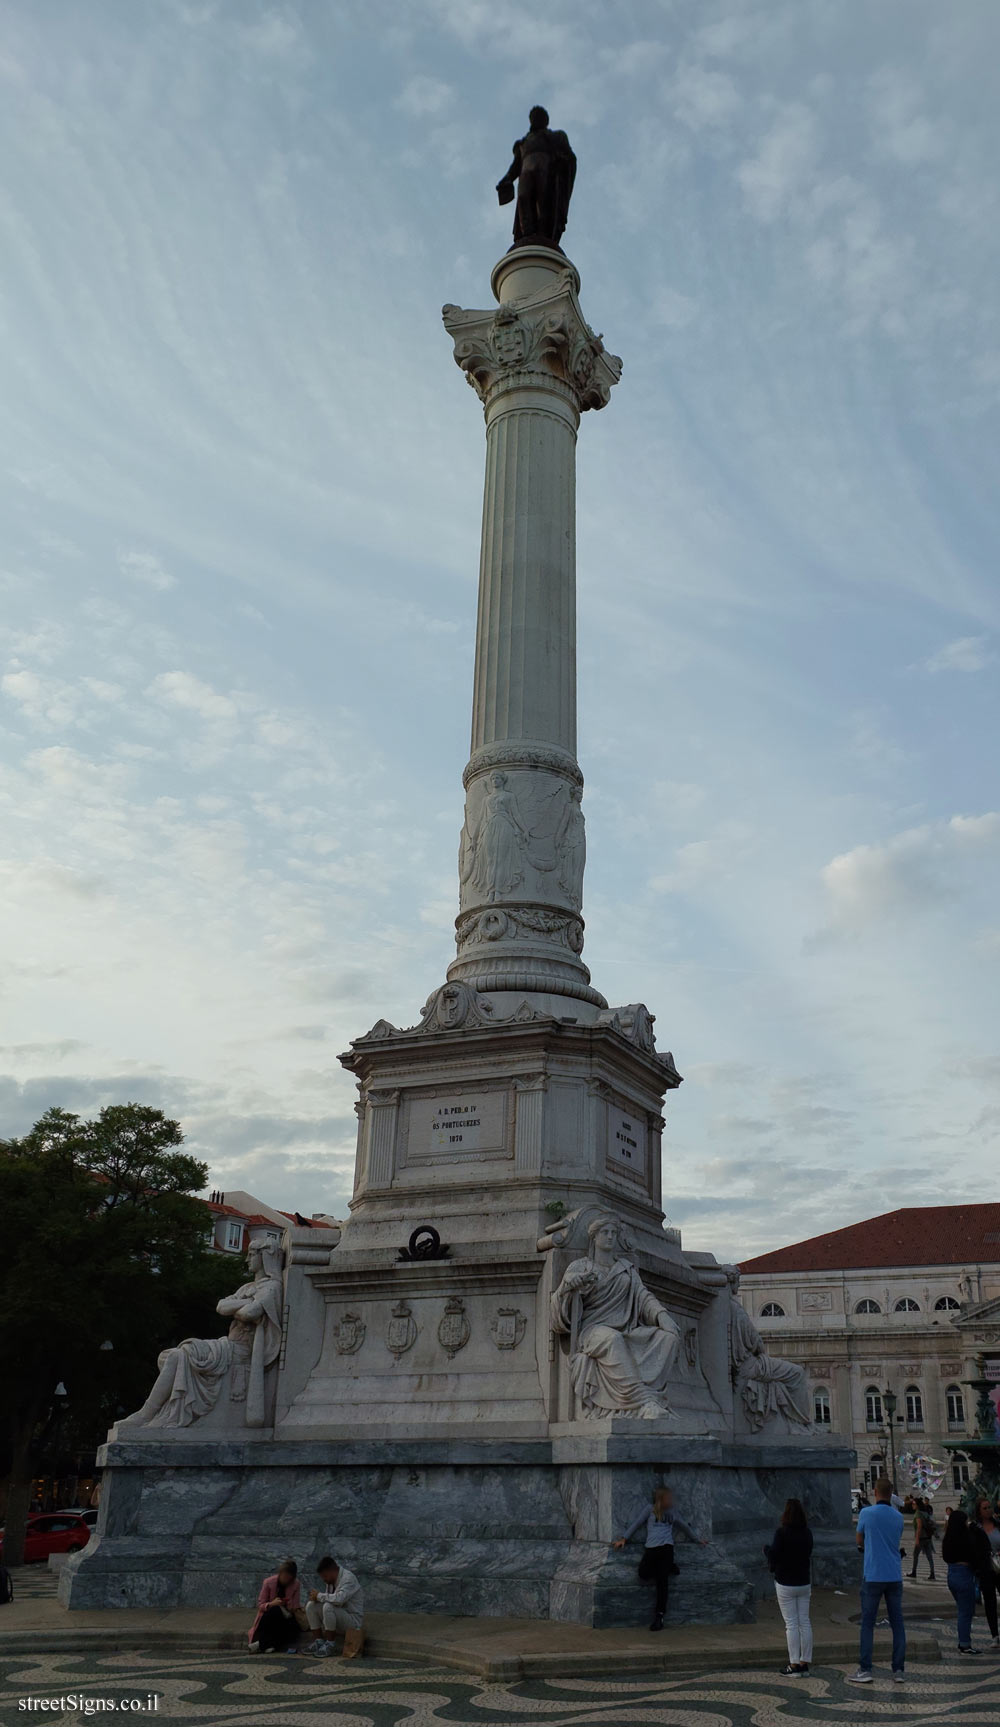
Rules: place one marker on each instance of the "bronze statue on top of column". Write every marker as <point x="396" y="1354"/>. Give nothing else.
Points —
<point x="544" y="167"/>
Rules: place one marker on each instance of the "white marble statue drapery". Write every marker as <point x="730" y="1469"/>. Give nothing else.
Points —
<point x="768" y="1384"/>
<point x="622" y="1339"/>
<point x="192" y="1374"/>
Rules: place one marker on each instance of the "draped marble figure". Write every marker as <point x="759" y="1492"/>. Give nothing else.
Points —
<point x="622" y="1339"/>
<point x="769" y="1385"/>
<point x="193" y="1373"/>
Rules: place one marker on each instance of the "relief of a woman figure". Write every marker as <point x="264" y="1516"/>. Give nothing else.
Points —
<point x="491" y="858"/>
<point x="625" y="1340"/>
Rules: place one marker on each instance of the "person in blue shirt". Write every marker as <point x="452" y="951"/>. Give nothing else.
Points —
<point x="657" y="1562"/>
<point x="880" y="1531"/>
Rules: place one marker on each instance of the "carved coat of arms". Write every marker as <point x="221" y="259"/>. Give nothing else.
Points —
<point x="510" y="339"/>
<point x="401" y="1331"/>
<point x="349" y="1333"/>
<point x="507" y="1327"/>
<point x="454" y="1330"/>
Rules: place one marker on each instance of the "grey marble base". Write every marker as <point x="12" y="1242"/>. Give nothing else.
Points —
<point x="494" y="1530"/>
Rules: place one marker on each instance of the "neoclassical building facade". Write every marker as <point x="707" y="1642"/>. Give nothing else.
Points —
<point x="902" y="1303"/>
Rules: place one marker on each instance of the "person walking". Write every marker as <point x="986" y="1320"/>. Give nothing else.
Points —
<point x="789" y="1561"/>
<point x="924" y="1531"/>
<point x="657" y="1562"/>
<point x="966" y="1552"/>
<point x="989" y="1577"/>
<point x="880" y="1529"/>
<point x="338" y="1606"/>
<point x="278" y="1604"/>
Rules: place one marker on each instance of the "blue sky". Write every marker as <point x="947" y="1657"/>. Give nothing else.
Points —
<point x="241" y="482"/>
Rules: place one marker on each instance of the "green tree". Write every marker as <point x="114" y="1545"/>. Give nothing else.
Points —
<point x="101" y="1241"/>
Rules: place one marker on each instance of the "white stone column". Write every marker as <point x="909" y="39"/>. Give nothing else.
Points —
<point x="536" y="365"/>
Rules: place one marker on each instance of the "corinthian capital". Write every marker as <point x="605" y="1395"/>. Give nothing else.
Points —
<point x="541" y="339"/>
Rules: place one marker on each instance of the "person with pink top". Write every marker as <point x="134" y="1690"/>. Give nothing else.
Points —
<point x="278" y="1606"/>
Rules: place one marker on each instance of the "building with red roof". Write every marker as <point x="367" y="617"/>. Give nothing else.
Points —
<point x="888" y="1314"/>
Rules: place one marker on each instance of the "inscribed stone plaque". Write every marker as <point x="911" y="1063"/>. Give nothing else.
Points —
<point x="627" y="1141"/>
<point x="457" y="1123"/>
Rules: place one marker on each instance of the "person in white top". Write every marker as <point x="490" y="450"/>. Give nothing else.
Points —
<point x="338" y="1606"/>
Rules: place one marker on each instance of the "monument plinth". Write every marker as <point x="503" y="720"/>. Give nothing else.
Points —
<point x="483" y="1373"/>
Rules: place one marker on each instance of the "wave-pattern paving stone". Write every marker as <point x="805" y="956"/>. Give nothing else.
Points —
<point x="238" y="1690"/>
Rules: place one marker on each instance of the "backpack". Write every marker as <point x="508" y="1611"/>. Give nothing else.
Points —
<point x="6" y="1587"/>
<point x="928" y="1527"/>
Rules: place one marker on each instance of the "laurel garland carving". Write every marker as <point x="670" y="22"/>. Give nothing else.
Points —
<point x="519" y="923"/>
<point x="553" y="761"/>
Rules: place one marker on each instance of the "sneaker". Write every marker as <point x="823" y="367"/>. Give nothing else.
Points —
<point x="657" y="1624"/>
<point x="967" y="1649"/>
<point x="255" y="1648"/>
<point x="789" y="1669"/>
<point x="316" y="1647"/>
<point x="326" y="1649"/>
<point x="898" y="1678"/>
<point x="863" y="1676"/>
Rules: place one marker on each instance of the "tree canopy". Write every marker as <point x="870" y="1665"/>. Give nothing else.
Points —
<point x="102" y="1241"/>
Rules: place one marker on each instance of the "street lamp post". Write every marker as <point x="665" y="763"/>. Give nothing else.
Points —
<point x="889" y="1402"/>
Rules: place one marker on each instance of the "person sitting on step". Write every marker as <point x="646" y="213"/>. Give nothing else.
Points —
<point x="338" y="1606"/>
<point x="278" y="1611"/>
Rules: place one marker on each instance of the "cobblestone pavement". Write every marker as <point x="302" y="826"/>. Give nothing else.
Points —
<point x="227" y="1690"/>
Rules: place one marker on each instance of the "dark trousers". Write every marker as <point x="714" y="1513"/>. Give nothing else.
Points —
<point x="655" y="1566"/>
<point x="927" y="1549"/>
<point x="988" y="1591"/>
<point x="871" y="1596"/>
<point x="274" y="1630"/>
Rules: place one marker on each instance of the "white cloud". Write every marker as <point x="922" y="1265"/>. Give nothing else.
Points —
<point x="898" y="122"/>
<point x="916" y="870"/>
<point x="44" y="701"/>
<point x="145" y="568"/>
<point x="967" y="654"/>
<point x="783" y="164"/>
<point x="184" y="690"/>
<point x="701" y="97"/>
<point x="422" y="95"/>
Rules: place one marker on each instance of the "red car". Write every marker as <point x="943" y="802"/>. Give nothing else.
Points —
<point x="52" y="1532"/>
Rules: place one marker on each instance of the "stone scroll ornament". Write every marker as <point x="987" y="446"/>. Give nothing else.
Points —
<point x="195" y="1374"/>
<point x="623" y="1342"/>
<point x="769" y="1385"/>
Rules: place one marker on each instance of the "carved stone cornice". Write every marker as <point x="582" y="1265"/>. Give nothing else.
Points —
<point x="543" y="340"/>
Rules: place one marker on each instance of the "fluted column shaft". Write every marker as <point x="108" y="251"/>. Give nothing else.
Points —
<point x="525" y="677"/>
<point x="536" y="366"/>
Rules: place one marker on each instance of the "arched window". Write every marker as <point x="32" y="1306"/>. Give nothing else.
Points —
<point x="876" y="1468"/>
<point x="946" y="1304"/>
<point x="772" y="1310"/>
<point x="873" y="1407"/>
<point x="867" y="1306"/>
<point x="907" y="1305"/>
<point x="956" y="1407"/>
<point x="914" y="1407"/>
<point x="821" y="1406"/>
